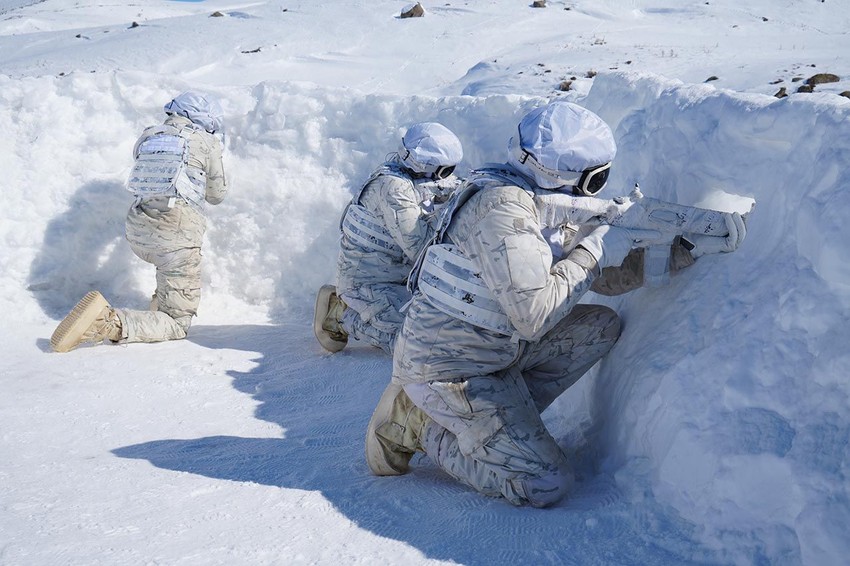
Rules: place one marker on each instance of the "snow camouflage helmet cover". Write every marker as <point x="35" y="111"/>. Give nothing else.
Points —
<point x="564" y="139"/>
<point x="202" y="109"/>
<point x="427" y="146"/>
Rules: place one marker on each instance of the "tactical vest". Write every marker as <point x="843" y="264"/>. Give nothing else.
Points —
<point x="162" y="169"/>
<point x="361" y="226"/>
<point x="447" y="278"/>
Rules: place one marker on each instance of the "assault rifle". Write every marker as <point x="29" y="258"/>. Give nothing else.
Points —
<point x="633" y="211"/>
<point x="636" y="211"/>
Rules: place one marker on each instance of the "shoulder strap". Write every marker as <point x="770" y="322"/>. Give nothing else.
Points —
<point x="501" y="172"/>
<point x="477" y="180"/>
<point x="444" y="219"/>
<point x="391" y="167"/>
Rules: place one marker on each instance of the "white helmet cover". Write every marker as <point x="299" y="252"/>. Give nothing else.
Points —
<point x="556" y="143"/>
<point x="201" y="109"/>
<point x="427" y="146"/>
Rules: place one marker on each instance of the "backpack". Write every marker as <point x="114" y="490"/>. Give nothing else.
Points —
<point x="161" y="168"/>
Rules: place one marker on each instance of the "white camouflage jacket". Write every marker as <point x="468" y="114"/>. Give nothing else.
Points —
<point x="400" y="207"/>
<point x="499" y="231"/>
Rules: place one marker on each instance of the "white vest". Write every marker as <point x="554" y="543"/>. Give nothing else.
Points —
<point x="448" y="279"/>
<point x="162" y="170"/>
<point x="361" y="226"/>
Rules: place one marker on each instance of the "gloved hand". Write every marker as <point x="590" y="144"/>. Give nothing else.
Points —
<point x="609" y="245"/>
<point x="704" y="245"/>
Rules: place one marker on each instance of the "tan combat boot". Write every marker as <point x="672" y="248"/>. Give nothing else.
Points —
<point x="91" y="320"/>
<point x="394" y="432"/>
<point x="327" y="320"/>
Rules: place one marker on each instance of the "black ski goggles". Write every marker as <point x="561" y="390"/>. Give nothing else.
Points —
<point x="592" y="180"/>
<point x="443" y="172"/>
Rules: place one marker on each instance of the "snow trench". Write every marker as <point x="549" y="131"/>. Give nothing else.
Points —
<point x="726" y="398"/>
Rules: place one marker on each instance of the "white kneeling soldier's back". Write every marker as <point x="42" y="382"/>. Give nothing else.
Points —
<point x="181" y="158"/>
<point x="383" y="229"/>
<point x="178" y="167"/>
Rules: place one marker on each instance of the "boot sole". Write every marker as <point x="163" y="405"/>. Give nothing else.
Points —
<point x="375" y="451"/>
<point x="70" y="331"/>
<point x="319" y="314"/>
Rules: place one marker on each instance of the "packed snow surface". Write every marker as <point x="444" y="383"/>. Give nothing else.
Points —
<point x="716" y="431"/>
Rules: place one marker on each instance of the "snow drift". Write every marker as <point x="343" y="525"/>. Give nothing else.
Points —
<point x="726" y="399"/>
<point x="728" y="392"/>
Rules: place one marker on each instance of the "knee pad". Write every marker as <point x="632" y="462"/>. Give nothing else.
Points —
<point x="547" y="489"/>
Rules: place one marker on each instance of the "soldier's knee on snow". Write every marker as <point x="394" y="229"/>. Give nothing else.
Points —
<point x="184" y="322"/>
<point x="546" y="490"/>
<point x="614" y="325"/>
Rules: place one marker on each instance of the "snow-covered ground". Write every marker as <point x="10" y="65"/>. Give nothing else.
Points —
<point x="715" y="432"/>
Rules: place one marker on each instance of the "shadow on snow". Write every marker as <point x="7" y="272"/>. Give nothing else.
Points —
<point x="323" y="402"/>
<point x="83" y="249"/>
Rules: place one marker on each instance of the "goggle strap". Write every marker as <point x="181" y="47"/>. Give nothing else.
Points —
<point x="529" y="159"/>
<point x="579" y="179"/>
<point x="430" y="170"/>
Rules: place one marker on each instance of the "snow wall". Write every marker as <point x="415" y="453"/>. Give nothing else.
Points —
<point x="728" y="392"/>
<point x="727" y="396"/>
<point x="294" y="154"/>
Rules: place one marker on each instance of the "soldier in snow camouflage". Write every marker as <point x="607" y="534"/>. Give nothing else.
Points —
<point x="383" y="229"/>
<point x="178" y="168"/>
<point x="478" y="359"/>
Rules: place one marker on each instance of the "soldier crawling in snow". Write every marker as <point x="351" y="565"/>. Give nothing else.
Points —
<point x="178" y="168"/>
<point x="494" y="332"/>
<point x="383" y="229"/>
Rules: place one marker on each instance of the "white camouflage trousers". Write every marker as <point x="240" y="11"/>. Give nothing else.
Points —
<point x="170" y="240"/>
<point x="487" y="431"/>
<point x="373" y="313"/>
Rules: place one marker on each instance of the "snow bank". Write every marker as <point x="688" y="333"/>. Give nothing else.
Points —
<point x="294" y="154"/>
<point x="726" y="398"/>
<point x="728" y="393"/>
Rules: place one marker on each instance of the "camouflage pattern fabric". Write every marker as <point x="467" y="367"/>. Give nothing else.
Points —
<point x="497" y="229"/>
<point x="485" y="391"/>
<point x="372" y="282"/>
<point x="373" y="313"/>
<point x="487" y="431"/>
<point x="170" y="238"/>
